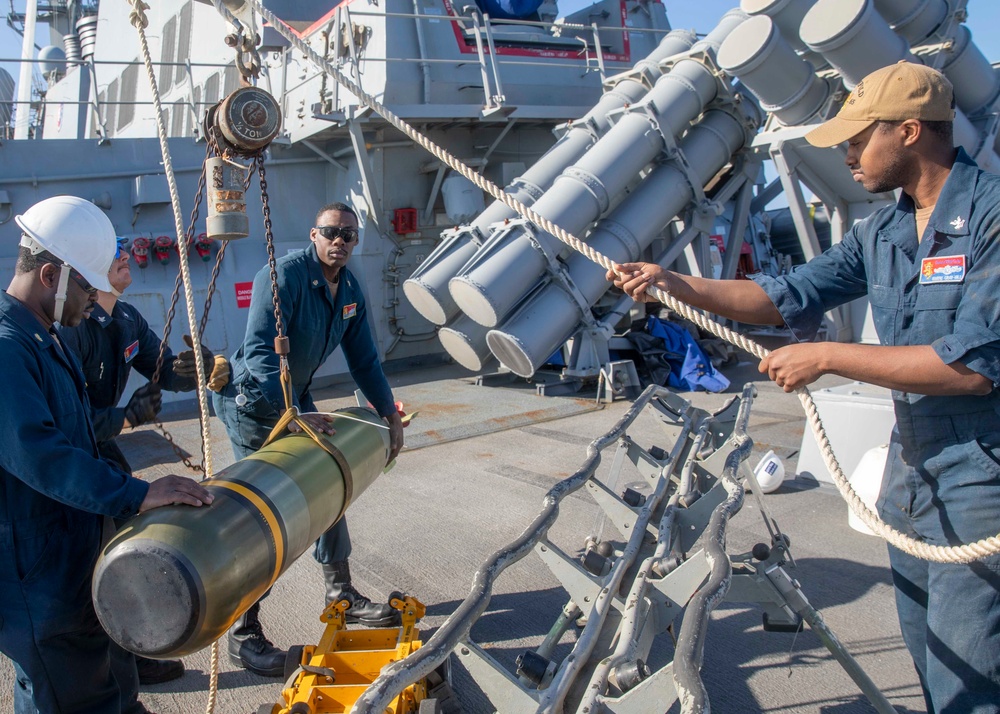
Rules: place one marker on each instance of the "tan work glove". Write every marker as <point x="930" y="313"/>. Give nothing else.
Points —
<point x="219" y="377"/>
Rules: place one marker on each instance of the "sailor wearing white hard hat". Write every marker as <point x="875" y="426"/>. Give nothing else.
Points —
<point x="55" y="491"/>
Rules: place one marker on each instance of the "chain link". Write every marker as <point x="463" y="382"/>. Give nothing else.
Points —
<point x="269" y="237"/>
<point x="164" y="341"/>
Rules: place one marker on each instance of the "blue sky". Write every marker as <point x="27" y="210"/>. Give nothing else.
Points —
<point x="700" y="15"/>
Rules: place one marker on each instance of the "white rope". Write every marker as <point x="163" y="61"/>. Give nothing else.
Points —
<point x="137" y="17"/>
<point x="942" y="554"/>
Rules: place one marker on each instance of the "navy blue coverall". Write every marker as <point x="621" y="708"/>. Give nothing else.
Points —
<point x="315" y="324"/>
<point x="109" y="347"/>
<point x="942" y="478"/>
<point x="55" y="492"/>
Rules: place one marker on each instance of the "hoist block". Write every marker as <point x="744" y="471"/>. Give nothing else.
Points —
<point x="227" y="208"/>
<point x="174" y="579"/>
<point x="248" y="119"/>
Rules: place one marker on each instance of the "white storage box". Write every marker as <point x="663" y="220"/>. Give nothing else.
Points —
<point x="857" y="417"/>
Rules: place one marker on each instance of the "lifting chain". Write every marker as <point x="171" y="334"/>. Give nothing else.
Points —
<point x="281" y="346"/>
<point x="210" y="150"/>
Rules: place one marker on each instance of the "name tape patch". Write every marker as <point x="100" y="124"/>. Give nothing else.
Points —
<point x="942" y="269"/>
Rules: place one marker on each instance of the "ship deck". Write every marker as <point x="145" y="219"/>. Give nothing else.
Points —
<point x="478" y="463"/>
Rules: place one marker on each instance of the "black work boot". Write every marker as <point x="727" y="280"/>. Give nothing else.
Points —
<point x="158" y="671"/>
<point x="362" y="610"/>
<point x="250" y="649"/>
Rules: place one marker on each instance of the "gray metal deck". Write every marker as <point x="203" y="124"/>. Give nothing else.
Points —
<point x="427" y="526"/>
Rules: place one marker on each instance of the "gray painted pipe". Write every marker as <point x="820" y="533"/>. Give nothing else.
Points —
<point x="548" y="319"/>
<point x="787" y="15"/>
<point x="426" y="288"/>
<point x="915" y="20"/>
<point x="784" y="83"/>
<point x="501" y="274"/>
<point x="853" y="38"/>
<point x="971" y="74"/>
<point x="465" y="340"/>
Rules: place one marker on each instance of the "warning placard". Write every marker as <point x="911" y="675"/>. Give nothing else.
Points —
<point x="243" y="291"/>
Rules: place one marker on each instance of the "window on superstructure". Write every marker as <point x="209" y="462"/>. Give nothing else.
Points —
<point x="183" y="41"/>
<point x="177" y="125"/>
<point x="130" y="80"/>
<point x="167" y="49"/>
<point x="111" y="113"/>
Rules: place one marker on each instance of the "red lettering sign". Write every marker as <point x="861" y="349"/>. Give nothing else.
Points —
<point x="243" y="291"/>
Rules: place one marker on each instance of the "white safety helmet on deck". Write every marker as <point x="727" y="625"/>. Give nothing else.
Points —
<point x="75" y="231"/>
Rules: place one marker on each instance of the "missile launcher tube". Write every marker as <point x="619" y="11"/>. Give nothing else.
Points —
<point x="783" y="82"/>
<point x="848" y="31"/>
<point x="465" y="340"/>
<point x="787" y="16"/>
<point x="427" y="288"/>
<point x="500" y="275"/>
<point x="976" y="83"/>
<point x="915" y="20"/>
<point x="853" y="38"/>
<point x="549" y="318"/>
<point x="174" y="579"/>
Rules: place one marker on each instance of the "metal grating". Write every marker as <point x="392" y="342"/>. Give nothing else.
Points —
<point x="212" y="90"/>
<point x="130" y="80"/>
<point x="230" y="80"/>
<point x="183" y="40"/>
<point x="196" y="119"/>
<point x="167" y="48"/>
<point x="177" y="125"/>
<point x="111" y="111"/>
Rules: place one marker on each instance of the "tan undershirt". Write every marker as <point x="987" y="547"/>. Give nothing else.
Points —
<point x="923" y="216"/>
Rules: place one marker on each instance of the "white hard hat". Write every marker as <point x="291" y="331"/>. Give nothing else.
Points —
<point x="75" y="231"/>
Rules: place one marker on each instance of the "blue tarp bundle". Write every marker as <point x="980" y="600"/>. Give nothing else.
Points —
<point x="690" y="368"/>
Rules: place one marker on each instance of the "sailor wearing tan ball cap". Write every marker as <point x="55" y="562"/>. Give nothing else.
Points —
<point x="895" y="93"/>
<point x="929" y="266"/>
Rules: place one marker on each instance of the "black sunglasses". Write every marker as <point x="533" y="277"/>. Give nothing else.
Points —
<point x="348" y="235"/>
<point x="75" y="276"/>
<point x="82" y="282"/>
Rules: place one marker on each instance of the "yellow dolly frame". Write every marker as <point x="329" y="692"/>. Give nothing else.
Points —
<point x="329" y="677"/>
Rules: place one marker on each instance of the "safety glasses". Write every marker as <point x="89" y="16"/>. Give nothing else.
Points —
<point x="82" y="282"/>
<point x="122" y="247"/>
<point x="346" y="234"/>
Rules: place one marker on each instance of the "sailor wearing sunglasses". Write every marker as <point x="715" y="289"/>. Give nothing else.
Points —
<point x="323" y="308"/>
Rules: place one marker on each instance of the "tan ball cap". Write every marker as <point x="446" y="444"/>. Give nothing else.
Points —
<point x="895" y="93"/>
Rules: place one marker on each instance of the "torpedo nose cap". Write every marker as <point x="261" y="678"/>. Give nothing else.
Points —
<point x="147" y="597"/>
